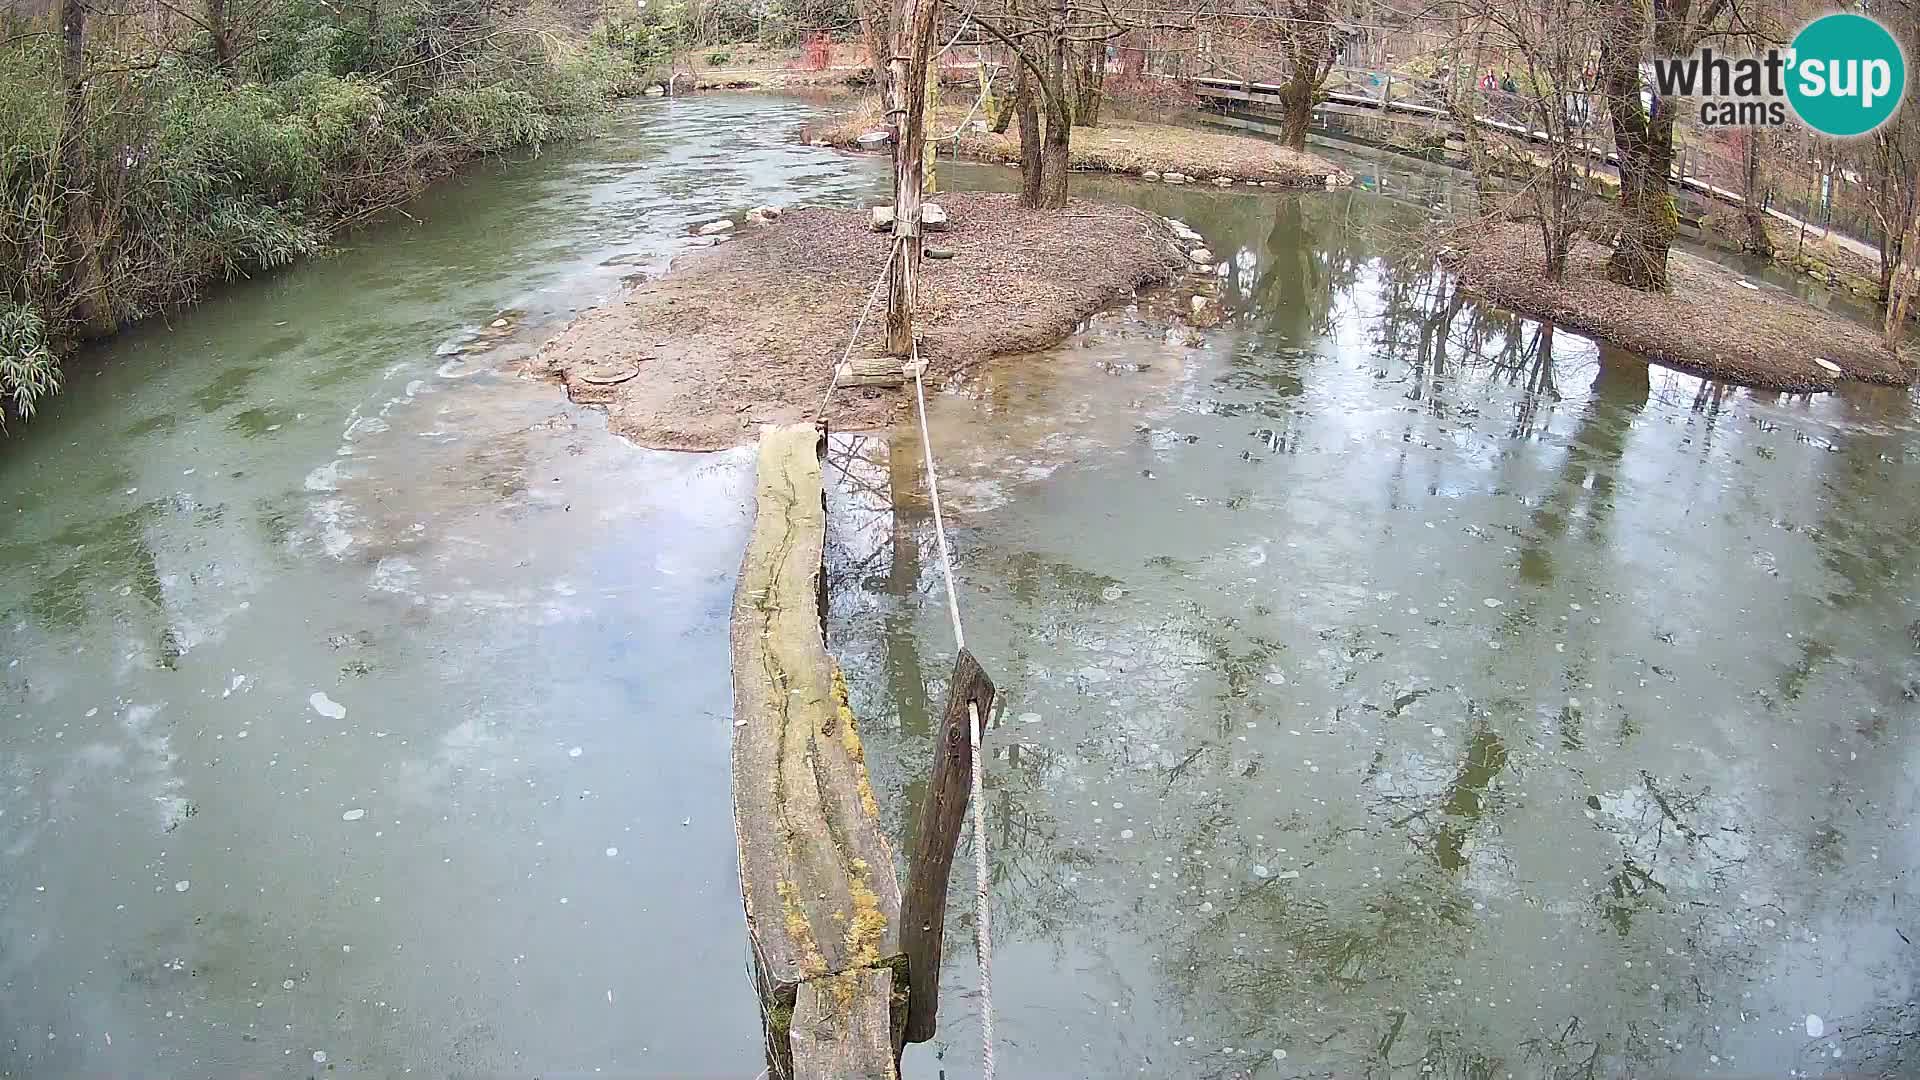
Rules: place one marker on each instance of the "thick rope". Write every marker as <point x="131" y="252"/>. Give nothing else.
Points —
<point x="983" y="912"/>
<point x="933" y="495"/>
<point x="834" y="383"/>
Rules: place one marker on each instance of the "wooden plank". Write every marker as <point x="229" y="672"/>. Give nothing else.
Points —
<point x="888" y="371"/>
<point x="816" y="873"/>
<point x="842" y="1028"/>
<point x="930" y="860"/>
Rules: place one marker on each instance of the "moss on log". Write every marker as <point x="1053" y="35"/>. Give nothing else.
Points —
<point x="816" y="873"/>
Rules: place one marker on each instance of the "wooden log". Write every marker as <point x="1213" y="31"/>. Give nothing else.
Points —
<point x="930" y="861"/>
<point x="842" y="1029"/>
<point x="889" y="371"/>
<point x="907" y="78"/>
<point x="816" y="873"/>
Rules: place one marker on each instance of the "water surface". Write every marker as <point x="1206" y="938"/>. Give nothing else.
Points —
<point x="1397" y="687"/>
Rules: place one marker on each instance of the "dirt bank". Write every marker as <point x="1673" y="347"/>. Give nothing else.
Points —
<point x="1707" y="323"/>
<point x="748" y="332"/>
<point x="1119" y="146"/>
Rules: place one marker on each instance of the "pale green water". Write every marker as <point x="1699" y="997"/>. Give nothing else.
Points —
<point x="1395" y="690"/>
<point x="291" y="491"/>
<point x="1235" y="583"/>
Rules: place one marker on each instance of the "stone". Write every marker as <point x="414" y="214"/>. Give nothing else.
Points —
<point x="1223" y="181"/>
<point x="1827" y="365"/>
<point x="1201" y="256"/>
<point x="714" y="228"/>
<point x="882" y="218"/>
<point x="771" y="213"/>
<point x="608" y="376"/>
<point x="937" y="253"/>
<point x="1150" y="176"/>
<point x="1174" y="177"/>
<point x="874" y="140"/>
<point x="933" y="218"/>
<point x="656" y="90"/>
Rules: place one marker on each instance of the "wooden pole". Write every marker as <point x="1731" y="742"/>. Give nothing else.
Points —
<point x="907" y="73"/>
<point x="930" y="154"/>
<point x="923" y="914"/>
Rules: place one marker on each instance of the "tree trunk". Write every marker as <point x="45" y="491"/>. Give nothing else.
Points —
<point x="1309" y="49"/>
<point x="1059" y="129"/>
<point x="222" y="36"/>
<point x="1092" y="77"/>
<point x="1028" y="111"/>
<point x="1054" y="160"/>
<point x="1900" y="287"/>
<point x="907" y="78"/>
<point x="876" y="31"/>
<point x="1296" y="109"/>
<point x="1753" y="211"/>
<point x="1644" y="146"/>
<point x="87" y="280"/>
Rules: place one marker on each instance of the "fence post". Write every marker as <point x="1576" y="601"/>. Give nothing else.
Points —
<point x="923" y="913"/>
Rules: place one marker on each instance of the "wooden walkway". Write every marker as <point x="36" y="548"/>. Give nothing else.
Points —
<point x="1235" y="92"/>
<point x="816" y="872"/>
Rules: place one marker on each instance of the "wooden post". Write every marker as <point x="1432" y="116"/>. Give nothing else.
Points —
<point x="907" y="73"/>
<point x="923" y="913"/>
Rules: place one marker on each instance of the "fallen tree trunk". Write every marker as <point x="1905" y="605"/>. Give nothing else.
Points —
<point x="816" y="874"/>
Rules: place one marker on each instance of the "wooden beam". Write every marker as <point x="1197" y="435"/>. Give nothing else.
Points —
<point x="930" y="861"/>
<point x="816" y="873"/>
<point x="842" y="1028"/>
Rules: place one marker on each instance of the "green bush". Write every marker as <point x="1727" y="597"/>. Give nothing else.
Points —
<point x="179" y="174"/>
<point x="715" y="59"/>
<point x="29" y="370"/>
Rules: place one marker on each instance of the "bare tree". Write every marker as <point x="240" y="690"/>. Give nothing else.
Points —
<point x="1633" y="32"/>
<point x="1309" y="39"/>
<point x="1043" y="36"/>
<point x="1551" y="41"/>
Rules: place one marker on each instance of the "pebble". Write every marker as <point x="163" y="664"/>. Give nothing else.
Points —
<point x="182" y="886"/>
<point x="353" y="815"/>
<point x="1816" y="1027"/>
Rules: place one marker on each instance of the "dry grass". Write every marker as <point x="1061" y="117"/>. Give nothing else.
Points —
<point x="1117" y="145"/>
<point x="1706" y="323"/>
<point x="749" y="332"/>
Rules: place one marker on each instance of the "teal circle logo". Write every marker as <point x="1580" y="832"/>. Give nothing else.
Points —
<point x="1848" y="75"/>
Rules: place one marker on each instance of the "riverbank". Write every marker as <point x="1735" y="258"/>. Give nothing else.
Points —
<point x="1708" y="322"/>
<point x="246" y="164"/>
<point x="1135" y="147"/>
<point x="748" y="332"/>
